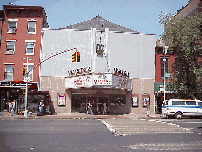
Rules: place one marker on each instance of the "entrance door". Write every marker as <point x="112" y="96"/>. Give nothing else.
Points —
<point x="97" y="103"/>
<point x="101" y="101"/>
<point x="80" y="102"/>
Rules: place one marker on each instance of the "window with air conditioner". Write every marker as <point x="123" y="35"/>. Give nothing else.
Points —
<point x="8" y="75"/>
<point x="12" y="26"/>
<point x="30" y="47"/>
<point x="31" y="27"/>
<point x="10" y="47"/>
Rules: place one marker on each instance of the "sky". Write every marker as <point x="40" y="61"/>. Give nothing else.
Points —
<point x="139" y="15"/>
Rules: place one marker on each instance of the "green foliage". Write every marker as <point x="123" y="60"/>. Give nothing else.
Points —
<point x="183" y="36"/>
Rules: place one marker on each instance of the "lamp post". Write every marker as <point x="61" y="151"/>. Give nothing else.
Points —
<point x="26" y="79"/>
<point x="164" y="69"/>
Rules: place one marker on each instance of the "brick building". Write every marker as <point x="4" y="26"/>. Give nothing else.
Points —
<point x="20" y="40"/>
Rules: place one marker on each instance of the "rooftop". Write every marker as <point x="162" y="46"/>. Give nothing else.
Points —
<point x="99" y="23"/>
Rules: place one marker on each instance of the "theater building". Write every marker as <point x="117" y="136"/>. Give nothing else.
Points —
<point x="100" y="62"/>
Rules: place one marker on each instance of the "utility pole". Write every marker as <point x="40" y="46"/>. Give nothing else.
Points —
<point x="164" y="64"/>
<point x="26" y="79"/>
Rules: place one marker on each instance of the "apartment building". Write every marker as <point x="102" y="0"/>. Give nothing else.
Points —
<point x="19" y="51"/>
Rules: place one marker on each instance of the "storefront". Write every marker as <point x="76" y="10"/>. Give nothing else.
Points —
<point x="117" y="101"/>
<point x="99" y="88"/>
<point x="15" y="91"/>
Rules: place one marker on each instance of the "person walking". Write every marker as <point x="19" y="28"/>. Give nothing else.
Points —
<point x="148" y="109"/>
<point x="9" y="108"/>
<point x="104" y="108"/>
<point x="89" y="108"/>
<point x="13" y="106"/>
<point x="41" y="105"/>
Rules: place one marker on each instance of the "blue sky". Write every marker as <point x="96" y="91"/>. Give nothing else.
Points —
<point x="139" y="15"/>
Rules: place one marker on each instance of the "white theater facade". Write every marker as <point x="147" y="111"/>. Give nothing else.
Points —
<point x="114" y="65"/>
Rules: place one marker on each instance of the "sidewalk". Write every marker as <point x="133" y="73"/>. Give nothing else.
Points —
<point x="4" y="115"/>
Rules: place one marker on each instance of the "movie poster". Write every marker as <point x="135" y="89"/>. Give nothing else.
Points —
<point x="61" y="99"/>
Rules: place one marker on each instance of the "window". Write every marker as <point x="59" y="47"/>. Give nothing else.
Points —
<point x="12" y="25"/>
<point x="162" y="66"/>
<point x="31" y="27"/>
<point x="10" y="47"/>
<point x="190" y="102"/>
<point x="118" y="100"/>
<point x="8" y="76"/>
<point x="178" y="102"/>
<point x="30" y="70"/>
<point x="100" y="50"/>
<point x="29" y="47"/>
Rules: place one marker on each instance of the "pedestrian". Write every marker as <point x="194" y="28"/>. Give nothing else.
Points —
<point x="9" y="108"/>
<point x="41" y="105"/>
<point x="13" y="106"/>
<point x="89" y="108"/>
<point x="148" y="109"/>
<point x="104" y="108"/>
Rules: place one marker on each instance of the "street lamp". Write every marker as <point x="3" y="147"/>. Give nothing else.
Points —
<point x="26" y="79"/>
<point x="164" y="63"/>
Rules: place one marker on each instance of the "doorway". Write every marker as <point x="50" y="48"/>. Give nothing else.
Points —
<point x="79" y="103"/>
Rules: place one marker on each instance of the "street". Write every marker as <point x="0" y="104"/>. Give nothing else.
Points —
<point x="86" y="135"/>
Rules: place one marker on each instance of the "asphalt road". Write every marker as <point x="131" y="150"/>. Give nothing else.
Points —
<point x="194" y="125"/>
<point x="56" y="135"/>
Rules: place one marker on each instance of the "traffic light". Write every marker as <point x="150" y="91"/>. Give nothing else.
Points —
<point x="77" y="56"/>
<point x="23" y="71"/>
<point x="74" y="57"/>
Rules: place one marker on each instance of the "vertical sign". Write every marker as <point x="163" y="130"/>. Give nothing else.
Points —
<point x="135" y="100"/>
<point x="61" y="99"/>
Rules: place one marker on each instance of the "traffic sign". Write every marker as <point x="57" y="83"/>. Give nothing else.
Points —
<point x="168" y="74"/>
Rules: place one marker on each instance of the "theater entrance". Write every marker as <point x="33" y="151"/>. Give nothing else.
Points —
<point x="79" y="103"/>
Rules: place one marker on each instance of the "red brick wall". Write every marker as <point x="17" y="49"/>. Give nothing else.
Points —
<point x="158" y="56"/>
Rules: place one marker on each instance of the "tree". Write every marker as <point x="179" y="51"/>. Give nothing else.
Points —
<point x="183" y="36"/>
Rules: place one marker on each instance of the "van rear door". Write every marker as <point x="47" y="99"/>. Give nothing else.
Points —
<point x="199" y="107"/>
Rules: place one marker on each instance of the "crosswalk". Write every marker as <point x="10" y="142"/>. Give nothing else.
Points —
<point x="125" y="127"/>
<point x="179" y="146"/>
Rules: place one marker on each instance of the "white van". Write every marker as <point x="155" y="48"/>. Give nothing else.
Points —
<point x="181" y="107"/>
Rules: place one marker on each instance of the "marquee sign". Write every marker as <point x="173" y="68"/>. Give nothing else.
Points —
<point x="102" y="79"/>
<point x="121" y="82"/>
<point x="78" y="81"/>
<point x="99" y="80"/>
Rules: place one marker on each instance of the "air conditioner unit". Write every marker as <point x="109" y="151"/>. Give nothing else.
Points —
<point x="10" y="52"/>
<point x="12" y="30"/>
